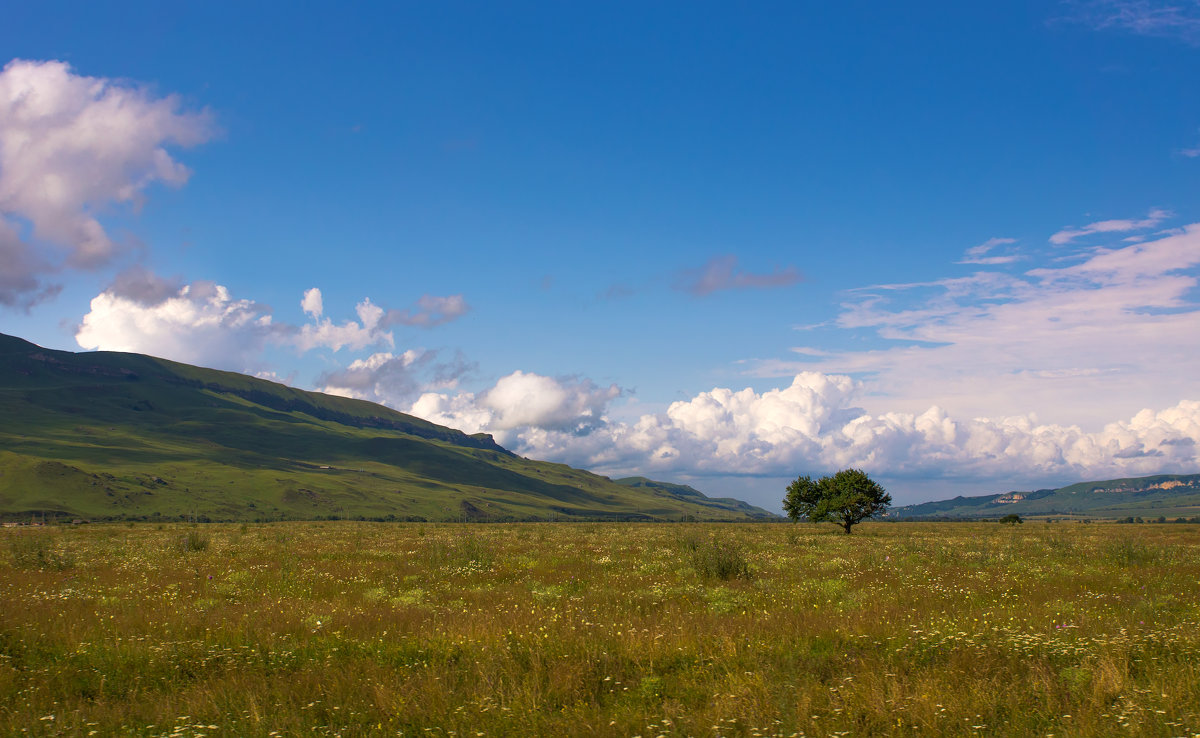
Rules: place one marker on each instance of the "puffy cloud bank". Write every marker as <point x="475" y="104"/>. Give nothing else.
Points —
<point x="71" y="146"/>
<point x="950" y="391"/>
<point x="197" y="323"/>
<point x="521" y="403"/>
<point x="203" y="323"/>
<point x="813" y="424"/>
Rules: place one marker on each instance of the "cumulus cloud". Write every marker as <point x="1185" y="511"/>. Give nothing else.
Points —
<point x="312" y="304"/>
<point x="1152" y="219"/>
<point x="200" y="323"/>
<point x="526" y="399"/>
<point x="70" y="147"/>
<point x="204" y="323"/>
<point x="815" y="423"/>
<point x="431" y="311"/>
<point x="356" y="335"/>
<point x="721" y="273"/>
<point x="396" y="380"/>
<point x="521" y="402"/>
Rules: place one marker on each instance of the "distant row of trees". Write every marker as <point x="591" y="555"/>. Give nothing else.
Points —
<point x="1161" y="519"/>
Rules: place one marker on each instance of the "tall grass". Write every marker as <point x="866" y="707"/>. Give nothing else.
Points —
<point x="594" y="629"/>
<point x="716" y="557"/>
<point x="192" y="541"/>
<point x="37" y="548"/>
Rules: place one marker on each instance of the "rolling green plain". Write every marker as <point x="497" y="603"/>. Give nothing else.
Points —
<point x="358" y="628"/>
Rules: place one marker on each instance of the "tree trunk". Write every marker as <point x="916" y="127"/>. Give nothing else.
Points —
<point x="846" y="524"/>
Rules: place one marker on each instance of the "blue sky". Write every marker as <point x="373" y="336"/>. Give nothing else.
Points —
<point x="952" y="244"/>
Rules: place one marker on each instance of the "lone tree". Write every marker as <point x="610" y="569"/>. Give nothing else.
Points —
<point x="846" y="498"/>
<point x="1012" y="519"/>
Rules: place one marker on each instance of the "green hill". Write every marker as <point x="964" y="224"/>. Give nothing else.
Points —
<point x="667" y="490"/>
<point x="1163" y="495"/>
<point x="106" y="435"/>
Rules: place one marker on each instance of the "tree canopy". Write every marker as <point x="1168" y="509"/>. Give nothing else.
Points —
<point x="845" y="498"/>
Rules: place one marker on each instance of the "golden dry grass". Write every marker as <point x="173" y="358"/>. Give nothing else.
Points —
<point x="600" y="629"/>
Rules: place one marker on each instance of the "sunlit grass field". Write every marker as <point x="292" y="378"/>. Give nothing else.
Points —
<point x="600" y="629"/>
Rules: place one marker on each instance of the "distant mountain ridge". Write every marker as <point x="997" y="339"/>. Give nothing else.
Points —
<point x="106" y="435"/>
<point x="683" y="491"/>
<point x="1160" y="495"/>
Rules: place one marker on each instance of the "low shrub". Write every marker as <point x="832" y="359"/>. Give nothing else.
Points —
<point x="719" y="558"/>
<point x="193" y="541"/>
<point x="35" y="550"/>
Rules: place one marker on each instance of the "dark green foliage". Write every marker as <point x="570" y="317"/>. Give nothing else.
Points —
<point x="1011" y="519"/>
<point x="846" y="498"/>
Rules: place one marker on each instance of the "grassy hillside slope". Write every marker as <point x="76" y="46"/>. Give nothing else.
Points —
<point x="114" y="435"/>
<point x="1162" y="495"/>
<point x="682" y="491"/>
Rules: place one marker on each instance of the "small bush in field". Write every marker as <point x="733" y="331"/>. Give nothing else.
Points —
<point x="718" y="558"/>
<point x="37" y="551"/>
<point x="193" y="541"/>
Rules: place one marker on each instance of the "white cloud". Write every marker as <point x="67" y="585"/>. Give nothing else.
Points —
<point x="459" y="411"/>
<point x="203" y="323"/>
<point x="71" y="146"/>
<point x="815" y="425"/>
<point x="324" y="333"/>
<point x="522" y="399"/>
<point x="200" y="324"/>
<point x="522" y="402"/>
<point x="312" y="304"/>
<point x="1152" y="219"/>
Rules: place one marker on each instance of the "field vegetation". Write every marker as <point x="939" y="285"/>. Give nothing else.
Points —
<point x="353" y="628"/>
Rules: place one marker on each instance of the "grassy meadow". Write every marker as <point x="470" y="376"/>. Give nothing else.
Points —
<point x="346" y="628"/>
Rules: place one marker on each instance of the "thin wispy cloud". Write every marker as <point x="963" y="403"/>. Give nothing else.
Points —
<point x="982" y="254"/>
<point x="430" y="312"/>
<point x="1052" y="339"/>
<point x="1177" y="19"/>
<point x="722" y="273"/>
<point x="1152" y="219"/>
